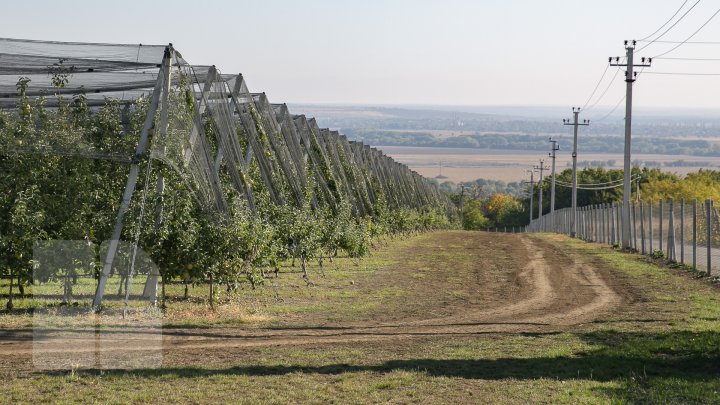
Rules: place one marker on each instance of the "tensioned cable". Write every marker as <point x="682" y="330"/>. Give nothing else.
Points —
<point x="600" y="184"/>
<point x="667" y="22"/>
<point x="596" y="87"/>
<point x="689" y="42"/>
<point x="690" y="37"/>
<point x="604" y="117"/>
<point x="606" y="89"/>
<point x="691" y="59"/>
<point x="591" y="189"/>
<point x="670" y="27"/>
<point x="683" y="73"/>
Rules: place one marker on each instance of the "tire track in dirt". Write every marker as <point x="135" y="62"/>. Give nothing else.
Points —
<point x="554" y="292"/>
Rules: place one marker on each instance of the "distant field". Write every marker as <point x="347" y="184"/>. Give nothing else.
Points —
<point x="509" y="165"/>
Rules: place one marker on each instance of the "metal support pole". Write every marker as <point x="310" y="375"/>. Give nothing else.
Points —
<point x="660" y="241"/>
<point x="671" y="231"/>
<point x="650" y="223"/>
<point x="634" y="225"/>
<point x="708" y="234"/>
<point x="694" y="229"/>
<point x="642" y="228"/>
<point x="682" y="230"/>
<point x="132" y="180"/>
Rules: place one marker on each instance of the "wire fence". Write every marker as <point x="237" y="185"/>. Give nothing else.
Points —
<point x="686" y="232"/>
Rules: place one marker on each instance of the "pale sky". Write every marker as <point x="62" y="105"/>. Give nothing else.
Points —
<point x="449" y="52"/>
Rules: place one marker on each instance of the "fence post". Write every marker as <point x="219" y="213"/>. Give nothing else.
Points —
<point x="597" y="222"/>
<point x="633" y="231"/>
<point x="682" y="230"/>
<point x="601" y="223"/>
<point x="642" y="227"/>
<point x="694" y="229"/>
<point x="708" y="234"/>
<point x="671" y="232"/>
<point x="650" y="210"/>
<point x="608" y="222"/>
<point x="660" y="240"/>
<point x="612" y="224"/>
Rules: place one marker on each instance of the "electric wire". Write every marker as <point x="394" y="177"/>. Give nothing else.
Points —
<point x="605" y="91"/>
<point x="604" y="117"/>
<point x="667" y="22"/>
<point x="690" y="37"/>
<point x="596" y="87"/>
<point x="670" y="27"/>
<point x="684" y="73"/>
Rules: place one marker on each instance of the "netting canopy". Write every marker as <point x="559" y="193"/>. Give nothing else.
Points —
<point x="219" y="138"/>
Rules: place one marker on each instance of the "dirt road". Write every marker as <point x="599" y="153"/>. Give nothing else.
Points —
<point x="520" y="284"/>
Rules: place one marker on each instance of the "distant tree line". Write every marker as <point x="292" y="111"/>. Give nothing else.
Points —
<point x="594" y="144"/>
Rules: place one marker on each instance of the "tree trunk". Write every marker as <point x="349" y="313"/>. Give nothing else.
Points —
<point x="212" y="293"/>
<point x="162" y="280"/>
<point x="9" y="305"/>
<point x="304" y="271"/>
<point x="21" y="287"/>
<point x="187" y="294"/>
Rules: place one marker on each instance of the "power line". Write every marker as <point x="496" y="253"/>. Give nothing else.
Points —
<point x="611" y="111"/>
<point x="667" y="22"/>
<point x="691" y="59"/>
<point x="596" y="87"/>
<point x="687" y="42"/>
<point x="670" y="27"/>
<point x="606" y="89"/>
<point x="690" y="37"/>
<point x="683" y="73"/>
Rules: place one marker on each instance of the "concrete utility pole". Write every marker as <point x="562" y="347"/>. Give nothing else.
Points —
<point x="553" y="148"/>
<point x="541" y="168"/>
<point x="532" y="191"/>
<point x="462" y="203"/>
<point x="575" y="123"/>
<point x="630" y="76"/>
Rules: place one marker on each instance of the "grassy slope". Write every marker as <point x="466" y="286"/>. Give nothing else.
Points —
<point x="664" y="346"/>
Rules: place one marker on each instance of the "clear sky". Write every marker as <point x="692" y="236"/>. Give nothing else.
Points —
<point x="449" y="52"/>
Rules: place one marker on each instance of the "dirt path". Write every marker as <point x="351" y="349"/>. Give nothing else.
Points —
<point x="550" y="291"/>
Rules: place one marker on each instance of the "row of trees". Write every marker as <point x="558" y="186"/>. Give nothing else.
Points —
<point x="484" y="208"/>
<point x="62" y="172"/>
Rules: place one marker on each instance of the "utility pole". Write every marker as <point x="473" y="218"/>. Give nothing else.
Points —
<point x="553" y="148"/>
<point x="575" y="123"/>
<point x="541" y="168"/>
<point x="462" y="203"/>
<point x="532" y="191"/>
<point x="630" y="76"/>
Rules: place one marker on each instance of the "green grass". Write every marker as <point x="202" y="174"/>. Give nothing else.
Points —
<point x="662" y="346"/>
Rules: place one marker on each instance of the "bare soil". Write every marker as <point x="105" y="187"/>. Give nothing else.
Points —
<point x="474" y="283"/>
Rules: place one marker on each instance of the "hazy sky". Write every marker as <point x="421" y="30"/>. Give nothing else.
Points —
<point x="450" y="52"/>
